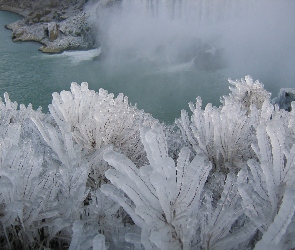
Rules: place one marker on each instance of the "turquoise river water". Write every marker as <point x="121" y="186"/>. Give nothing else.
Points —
<point x="31" y="77"/>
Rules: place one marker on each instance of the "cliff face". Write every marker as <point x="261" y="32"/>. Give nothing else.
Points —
<point x="58" y="25"/>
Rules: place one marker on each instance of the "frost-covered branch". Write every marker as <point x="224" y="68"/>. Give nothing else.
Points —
<point x="225" y="134"/>
<point x="97" y="120"/>
<point x="172" y="187"/>
<point x="217" y="222"/>
<point x="164" y="194"/>
<point x="268" y="188"/>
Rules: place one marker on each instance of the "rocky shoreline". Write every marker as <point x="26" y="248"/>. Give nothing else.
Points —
<point x="57" y="25"/>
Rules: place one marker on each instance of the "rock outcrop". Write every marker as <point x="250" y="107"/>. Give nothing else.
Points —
<point x="52" y="31"/>
<point x="285" y="98"/>
<point x="57" y="25"/>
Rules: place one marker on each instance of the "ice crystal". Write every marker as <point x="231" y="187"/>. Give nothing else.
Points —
<point x="97" y="173"/>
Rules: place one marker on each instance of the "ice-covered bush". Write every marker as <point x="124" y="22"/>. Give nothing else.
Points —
<point x="28" y="185"/>
<point x="64" y="162"/>
<point x="11" y="113"/>
<point x="225" y="134"/>
<point x="247" y="93"/>
<point x="97" y="120"/>
<point x="220" y="179"/>
<point x="268" y="188"/>
<point x="28" y="196"/>
<point x="164" y="195"/>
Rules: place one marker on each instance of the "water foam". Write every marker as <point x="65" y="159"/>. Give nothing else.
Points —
<point x="77" y="56"/>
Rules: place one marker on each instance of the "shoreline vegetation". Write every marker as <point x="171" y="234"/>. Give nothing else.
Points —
<point x="98" y="173"/>
<point x="57" y="25"/>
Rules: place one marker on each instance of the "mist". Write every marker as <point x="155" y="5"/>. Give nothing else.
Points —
<point x="257" y="37"/>
<point x="165" y="53"/>
<point x="261" y="43"/>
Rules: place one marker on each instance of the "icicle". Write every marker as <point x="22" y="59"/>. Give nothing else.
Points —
<point x="99" y="242"/>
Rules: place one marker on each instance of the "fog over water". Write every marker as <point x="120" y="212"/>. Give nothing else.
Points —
<point x="162" y="54"/>
<point x="257" y="36"/>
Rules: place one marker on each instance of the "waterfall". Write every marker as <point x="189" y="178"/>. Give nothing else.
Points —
<point x="197" y="11"/>
<point x="253" y="36"/>
<point x="170" y="29"/>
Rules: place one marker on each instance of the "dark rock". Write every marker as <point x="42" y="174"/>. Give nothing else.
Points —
<point x="284" y="99"/>
<point x="211" y="59"/>
<point x="59" y="25"/>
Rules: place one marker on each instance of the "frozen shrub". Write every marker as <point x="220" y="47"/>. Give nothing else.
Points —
<point x="102" y="215"/>
<point x="291" y="122"/>
<point x="220" y="179"/>
<point x="9" y="112"/>
<point x="221" y="224"/>
<point x="167" y="199"/>
<point x="85" y="239"/>
<point x="247" y="93"/>
<point x="98" y="120"/>
<point x="164" y="195"/>
<point x="267" y="187"/>
<point x="223" y="134"/>
<point x="28" y="191"/>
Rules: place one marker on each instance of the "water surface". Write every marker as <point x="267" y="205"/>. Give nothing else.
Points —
<point x="160" y="89"/>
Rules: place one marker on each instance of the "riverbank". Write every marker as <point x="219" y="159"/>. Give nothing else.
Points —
<point x="57" y="25"/>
